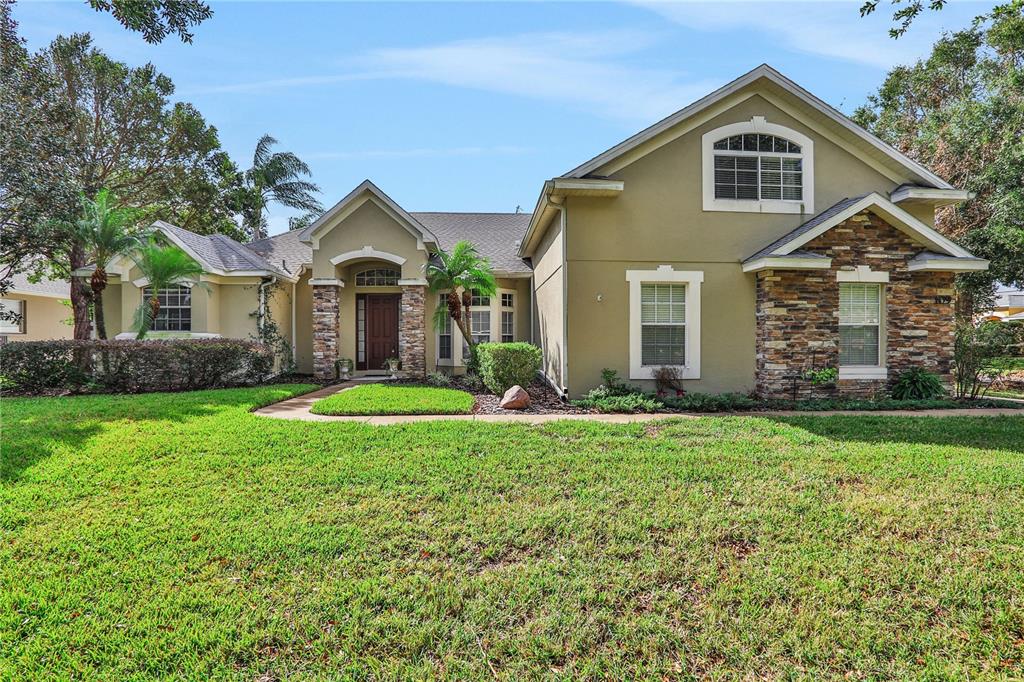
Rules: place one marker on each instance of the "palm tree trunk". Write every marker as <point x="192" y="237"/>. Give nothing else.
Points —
<point x="79" y="297"/>
<point x="98" y="284"/>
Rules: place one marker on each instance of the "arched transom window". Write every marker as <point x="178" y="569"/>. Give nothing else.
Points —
<point x="758" y="166"/>
<point x="755" y="166"/>
<point x="378" y="277"/>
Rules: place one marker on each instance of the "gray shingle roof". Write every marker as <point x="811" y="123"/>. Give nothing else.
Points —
<point x="44" y="287"/>
<point x="284" y="250"/>
<point x="496" y="236"/>
<point x="829" y="212"/>
<point x="219" y="251"/>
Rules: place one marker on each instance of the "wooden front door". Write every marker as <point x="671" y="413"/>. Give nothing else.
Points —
<point x="381" y="329"/>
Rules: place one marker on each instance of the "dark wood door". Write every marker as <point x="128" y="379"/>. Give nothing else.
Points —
<point x="381" y="329"/>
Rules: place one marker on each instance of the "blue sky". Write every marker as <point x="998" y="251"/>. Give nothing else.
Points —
<point x="470" y="107"/>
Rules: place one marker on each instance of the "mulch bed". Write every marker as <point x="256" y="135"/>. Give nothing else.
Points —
<point x="543" y="400"/>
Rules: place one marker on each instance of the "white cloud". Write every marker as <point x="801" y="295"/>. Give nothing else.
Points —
<point x="575" y="68"/>
<point x="827" y="29"/>
<point x="423" y="152"/>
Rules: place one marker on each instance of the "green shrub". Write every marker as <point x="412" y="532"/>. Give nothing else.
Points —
<point x="132" y="366"/>
<point x="706" y="402"/>
<point x="439" y="379"/>
<point x="917" y="383"/>
<point x="631" y="402"/>
<point x="504" y="365"/>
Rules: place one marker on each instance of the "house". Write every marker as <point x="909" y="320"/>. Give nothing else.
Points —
<point x="747" y="239"/>
<point x="1008" y="305"/>
<point x="43" y="310"/>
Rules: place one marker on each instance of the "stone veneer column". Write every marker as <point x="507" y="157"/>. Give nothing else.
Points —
<point x="412" y="335"/>
<point x="325" y="330"/>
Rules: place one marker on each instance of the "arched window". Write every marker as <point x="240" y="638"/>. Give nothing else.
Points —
<point x="378" y="277"/>
<point x="757" y="166"/>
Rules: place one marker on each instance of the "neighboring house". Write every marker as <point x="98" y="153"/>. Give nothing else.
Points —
<point x="1009" y="305"/>
<point x="746" y="239"/>
<point x="43" y="310"/>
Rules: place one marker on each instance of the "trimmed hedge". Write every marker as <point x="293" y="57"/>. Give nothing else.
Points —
<point x="504" y="365"/>
<point x="132" y="366"/>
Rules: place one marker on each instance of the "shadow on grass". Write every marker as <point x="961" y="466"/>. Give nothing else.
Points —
<point x="985" y="433"/>
<point x="35" y="428"/>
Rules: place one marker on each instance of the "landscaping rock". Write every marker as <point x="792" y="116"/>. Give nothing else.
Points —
<point x="515" y="398"/>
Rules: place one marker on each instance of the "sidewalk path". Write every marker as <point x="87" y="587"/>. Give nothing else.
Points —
<point x="298" y="408"/>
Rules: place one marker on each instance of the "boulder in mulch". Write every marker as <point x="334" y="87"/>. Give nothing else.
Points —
<point x="515" y="398"/>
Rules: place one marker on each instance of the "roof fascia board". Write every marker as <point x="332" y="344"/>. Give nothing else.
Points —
<point x="892" y="213"/>
<point x="559" y="188"/>
<point x="783" y="263"/>
<point x="40" y="294"/>
<point x="947" y="265"/>
<point x="930" y="195"/>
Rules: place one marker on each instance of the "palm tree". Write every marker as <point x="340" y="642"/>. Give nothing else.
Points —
<point x="105" y="231"/>
<point x="163" y="266"/>
<point x="461" y="272"/>
<point x="274" y="177"/>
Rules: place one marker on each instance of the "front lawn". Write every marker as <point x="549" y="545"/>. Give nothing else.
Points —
<point x="375" y="399"/>
<point x="180" y="536"/>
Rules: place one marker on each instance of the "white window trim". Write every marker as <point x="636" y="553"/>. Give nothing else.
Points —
<point x="757" y="124"/>
<point x="22" y="306"/>
<point x="879" y="371"/>
<point x="692" y="279"/>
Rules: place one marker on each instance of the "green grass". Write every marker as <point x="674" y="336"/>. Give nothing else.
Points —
<point x="374" y="399"/>
<point x="180" y="536"/>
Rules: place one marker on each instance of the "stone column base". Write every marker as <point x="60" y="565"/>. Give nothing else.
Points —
<point x="412" y="336"/>
<point x="326" y="326"/>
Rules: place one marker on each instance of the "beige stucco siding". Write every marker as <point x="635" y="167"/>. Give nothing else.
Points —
<point x="368" y="225"/>
<point x="238" y="306"/>
<point x="112" y="309"/>
<point x="304" y="325"/>
<point x="659" y="219"/>
<point x="44" y="318"/>
<point x="548" y="274"/>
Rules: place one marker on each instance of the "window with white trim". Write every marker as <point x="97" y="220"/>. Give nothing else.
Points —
<point x="480" y="325"/>
<point x="378" y="277"/>
<point x="757" y="166"/>
<point x="506" y="300"/>
<point x="508" y="318"/>
<point x="444" y="332"/>
<point x="860" y="325"/>
<point x="360" y="329"/>
<point x="15" y="308"/>
<point x="175" y="313"/>
<point x="479" y="300"/>
<point x="664" y="321"/>
<point x="663" y="324"/>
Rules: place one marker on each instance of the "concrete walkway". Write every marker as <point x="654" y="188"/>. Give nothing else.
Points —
<point x="298" y="408"/>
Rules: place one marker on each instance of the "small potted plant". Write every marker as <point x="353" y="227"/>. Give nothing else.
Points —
<point x="344" y="368"/>
<point x="392" y="365"/>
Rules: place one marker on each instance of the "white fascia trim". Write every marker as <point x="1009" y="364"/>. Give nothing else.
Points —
<point x="932" y="195"/>
<point x="507" y="274"/>
<point x="948" y="265"/>
<point x="756" y="124"/>
<point x="767" y="72"/>
<point x="368" y="252"/>
<point x="22" y="292"/>
<point x="863" y="273"/>
<point x="692" y="279"/>
<point x="144" y="282"/>
<point x="862" y="372"/>
<point x="412" y="282"/>
<point x="587" y="185"/>
<point x="892" y="214"/>
<point x="783" y="263"/>
<point x="326" y="283"/>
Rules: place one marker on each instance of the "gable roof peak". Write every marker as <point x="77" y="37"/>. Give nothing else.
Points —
<point x="367" y="186"/>
<point x="916" y="171"/>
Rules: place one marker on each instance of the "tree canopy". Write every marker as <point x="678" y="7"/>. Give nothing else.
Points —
<point x="960" y="112"/>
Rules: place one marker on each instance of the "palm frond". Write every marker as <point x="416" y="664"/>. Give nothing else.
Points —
<point x="262" y="153"/>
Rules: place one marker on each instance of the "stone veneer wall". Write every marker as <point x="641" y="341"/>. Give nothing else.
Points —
<point x="326" y="325"/>
<point x="412" y="337"/>
<point x="798" y="313"/>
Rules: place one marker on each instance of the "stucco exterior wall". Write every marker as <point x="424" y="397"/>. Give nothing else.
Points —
<point x="304" y="325"/>
<point x="659" y="219"/>
<point x="548" y="277"/>
<point x="368" y="225"/>
<point x="44" y="318"/>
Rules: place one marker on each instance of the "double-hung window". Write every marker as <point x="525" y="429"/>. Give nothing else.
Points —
<point x="175" y="313"/>
<point x="15" y="310"/>
<point x="663" y="324"/>
<point x="860" y="325"/>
